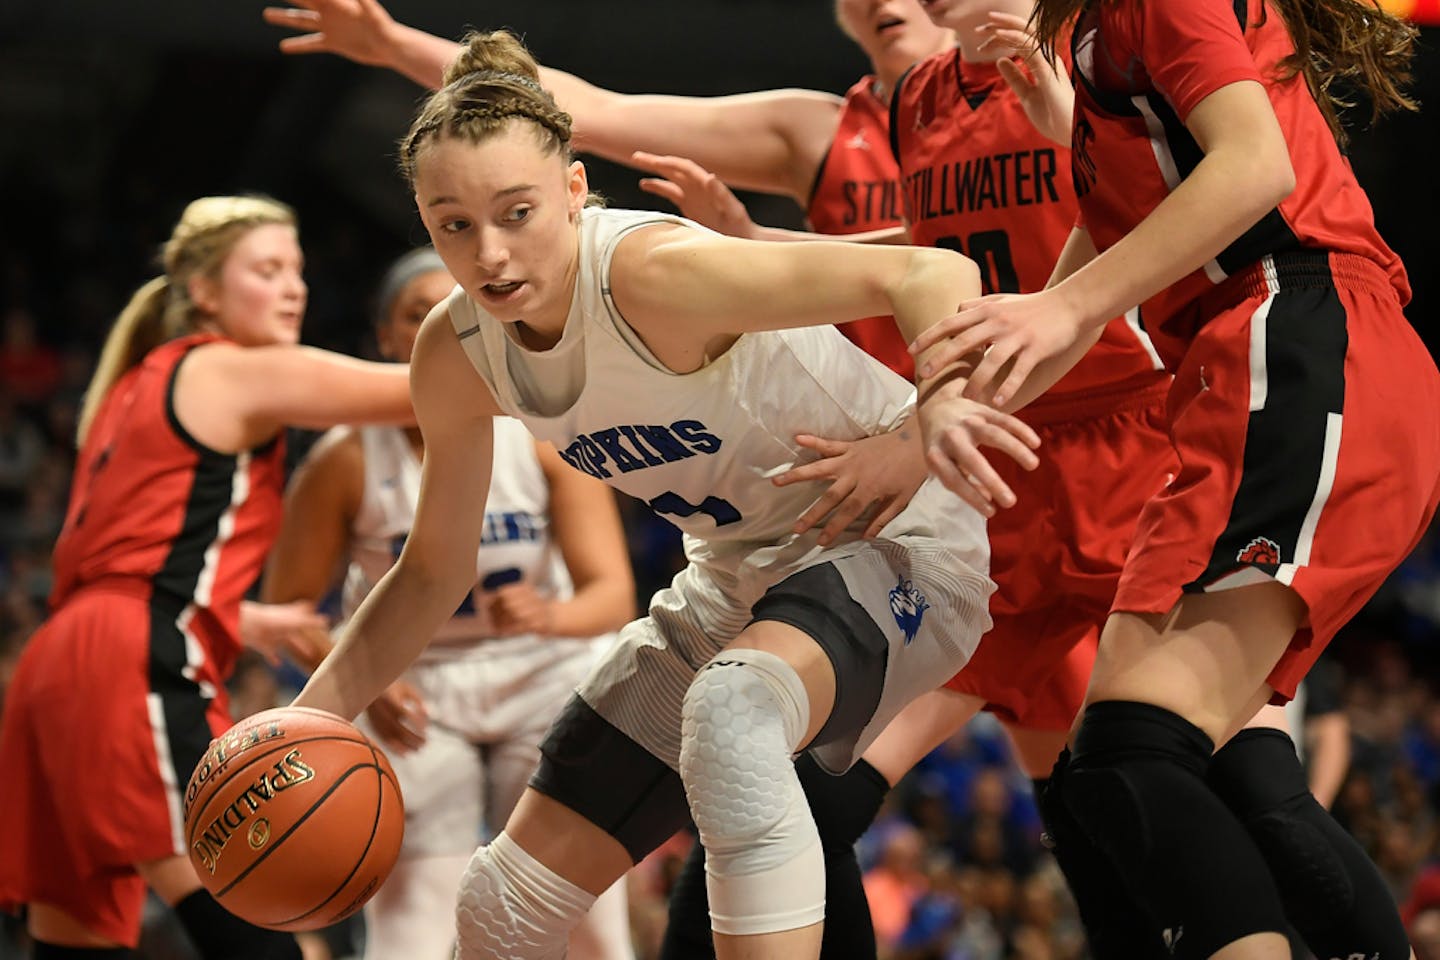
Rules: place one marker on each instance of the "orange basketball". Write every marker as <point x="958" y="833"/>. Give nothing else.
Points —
<point x="293" y="819"/>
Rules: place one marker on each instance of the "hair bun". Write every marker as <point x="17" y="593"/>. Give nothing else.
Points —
<point x="498" y="51"/>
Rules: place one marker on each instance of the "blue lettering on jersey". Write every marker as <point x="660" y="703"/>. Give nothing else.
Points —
<point x="908" y="606"/>
<point x="506" y="527"/>
<point x="633" y="447"/>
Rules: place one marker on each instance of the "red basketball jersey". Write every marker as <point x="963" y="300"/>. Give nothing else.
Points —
<point x="977" y="177"/>
<point x="857" y="189"/>
<point x="150" y="502"/>
<point x="1141" y="68"/>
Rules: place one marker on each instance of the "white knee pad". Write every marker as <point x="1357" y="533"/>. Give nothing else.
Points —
<point x="743" y="717"/>
<point x="513" y="907"/>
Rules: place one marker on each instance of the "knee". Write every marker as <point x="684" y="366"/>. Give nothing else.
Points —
<point x="513" y="907"/>
<point x="741" y="720"/>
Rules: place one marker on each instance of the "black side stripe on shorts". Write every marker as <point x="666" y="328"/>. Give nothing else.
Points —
<point x="1298" y="347"/>
<point x="177" y="706"/>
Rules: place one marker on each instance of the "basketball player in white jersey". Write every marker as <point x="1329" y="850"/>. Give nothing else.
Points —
<point x="463" y="729"/>
<point x="656" y="356"/>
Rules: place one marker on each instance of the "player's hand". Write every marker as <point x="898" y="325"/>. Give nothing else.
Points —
<point x="517" y="608"/>
<point x="1044" y="88"/>
<point x="955" y="428"/>
<point x="872" y="477"/>
<point x="358" y="30"/>
<point x="294" y="629"/>
<point x="698" y="193"/>
<point x="399" y="718"/>
<point x="1016" y="332"/>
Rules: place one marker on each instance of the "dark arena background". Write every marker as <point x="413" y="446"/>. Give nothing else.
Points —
<point x="114" y="114"/>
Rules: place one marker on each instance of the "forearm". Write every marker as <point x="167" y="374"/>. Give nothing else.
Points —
<point x="598" y="607"/>
<point x="419" y="55"/>
<point x="933" y="287"/>
<point x="1218" y="202"/>
<point x="890" y="235"/>
<point x="388" y="632"/>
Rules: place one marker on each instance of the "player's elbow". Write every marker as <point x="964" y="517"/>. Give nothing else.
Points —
<point x="934" y="267"/>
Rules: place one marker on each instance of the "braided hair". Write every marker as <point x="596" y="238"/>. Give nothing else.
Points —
<point x="492" y="81"/>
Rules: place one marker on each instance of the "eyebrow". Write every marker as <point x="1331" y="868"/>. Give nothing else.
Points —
<point x="502" y="193"/>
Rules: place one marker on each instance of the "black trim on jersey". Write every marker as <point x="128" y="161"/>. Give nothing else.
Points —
<point x="976" y="100"/>
<point x="185" y="435"/>
<point x="1269" y="235"/>
<point x="819" y="176"/>
<point x="210" y="494"/>
<point x="1305" y="345"/>
<point x="895" y="114"/>
<point x="183" y="705"/>
<point x="1112" y="102"/>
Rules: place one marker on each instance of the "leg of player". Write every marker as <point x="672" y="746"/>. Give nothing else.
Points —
<point x="1136" y="782"/>
<point x="603" y="933"/>
<point x="744" y="716"/>
<point x="525" y="890"/>
<point x="1332" y="892"/>
<point x="412" y="914"/>
<point x="843" y="808"/>
<point x="216" y="933"/>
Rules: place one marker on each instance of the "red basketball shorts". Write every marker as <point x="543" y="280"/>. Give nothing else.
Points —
<point x="111" y="707"/>
<point x="1056" y="556"/>
<point x="1304" y="412"/>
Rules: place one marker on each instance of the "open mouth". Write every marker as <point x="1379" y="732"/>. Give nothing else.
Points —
<point x="501" y="291"/>
<point x="888" y="25"/>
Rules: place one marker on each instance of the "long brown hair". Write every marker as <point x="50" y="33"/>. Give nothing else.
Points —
<point x="1353" y="41"/>
<point x="162" y="309"/>
<point x="492" y="81"/>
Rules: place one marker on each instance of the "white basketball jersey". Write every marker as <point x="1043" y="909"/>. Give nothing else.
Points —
<point x="516" y="543"/>
<point x="701" y="448"/>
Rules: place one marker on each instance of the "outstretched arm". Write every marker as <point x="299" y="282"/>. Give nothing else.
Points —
<point x="771" y="141"/>
<point x="1245" y="172"/>
<point x="704" y="198"/>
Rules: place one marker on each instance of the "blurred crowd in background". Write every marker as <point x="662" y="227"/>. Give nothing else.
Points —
<point x="955" y="868"/>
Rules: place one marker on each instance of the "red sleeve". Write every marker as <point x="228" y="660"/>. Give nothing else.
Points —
<point x="1190" y="48"/>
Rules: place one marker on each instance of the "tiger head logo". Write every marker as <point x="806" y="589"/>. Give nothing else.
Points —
<point x="1261" y="551"/>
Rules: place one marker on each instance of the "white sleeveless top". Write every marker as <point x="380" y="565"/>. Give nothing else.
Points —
<point x="701" y="448"/>
<point x="516" y="543"/>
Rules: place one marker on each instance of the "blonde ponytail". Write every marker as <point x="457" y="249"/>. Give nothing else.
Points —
<point x="140" y="328"/>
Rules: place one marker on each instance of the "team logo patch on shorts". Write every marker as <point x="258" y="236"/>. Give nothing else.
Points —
<point x="908" y="606"/>
<point x="1261" y="550"/>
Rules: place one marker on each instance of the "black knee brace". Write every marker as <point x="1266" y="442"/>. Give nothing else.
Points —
<point x="49" y="951"/>
<point x="1331" y="891"/>
<point x="220" y="935"/>
<point x="1136" y="787"/>
<point x="687" y="930"/>
<point x="1112" y="920"/>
